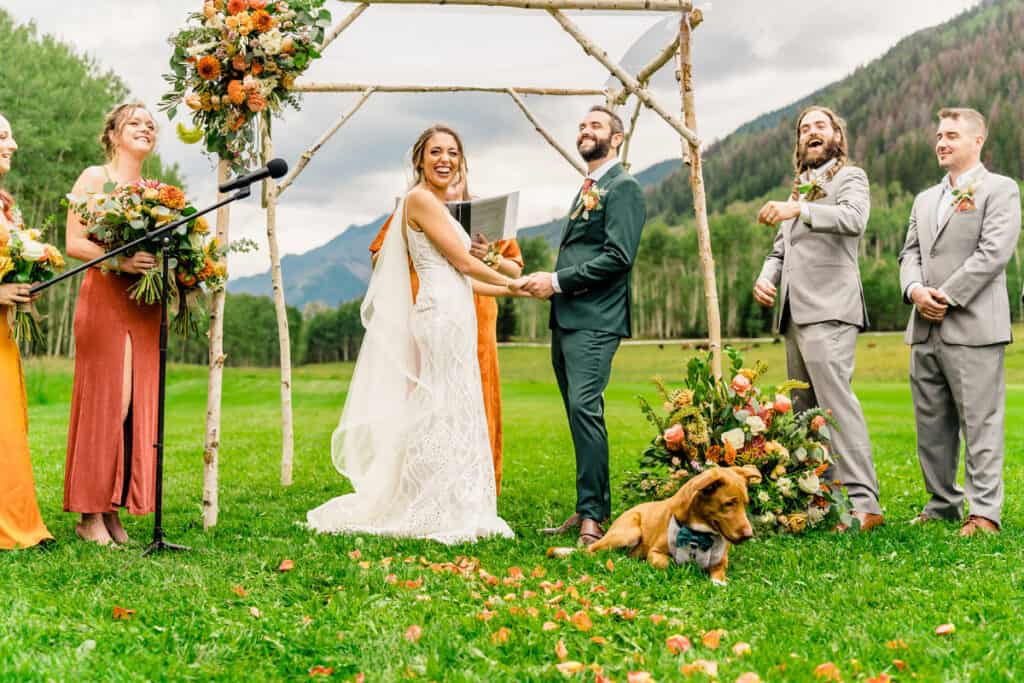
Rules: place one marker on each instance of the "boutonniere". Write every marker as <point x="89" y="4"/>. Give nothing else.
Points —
<point x="963" y="199"/>
<point x="812" y="191"/>
<point x="589" y="201"/>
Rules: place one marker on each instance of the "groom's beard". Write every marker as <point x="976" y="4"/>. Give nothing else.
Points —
<point x="598" y="151"/>
<point x="822" y="155"/>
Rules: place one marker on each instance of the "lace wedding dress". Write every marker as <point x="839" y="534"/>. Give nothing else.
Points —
<point x="413" y="434"/>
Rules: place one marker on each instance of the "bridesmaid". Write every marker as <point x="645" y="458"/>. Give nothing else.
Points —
<point x="505" y="257"/>
<point x="21" y="525"/>
<point x="111" y="463"/>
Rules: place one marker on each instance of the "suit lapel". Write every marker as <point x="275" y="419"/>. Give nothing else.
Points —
<point x="602" y="184"/>
<point x="978" y="181"/>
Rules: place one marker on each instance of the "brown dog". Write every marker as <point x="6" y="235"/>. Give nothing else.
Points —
<point x="697" y="524"/>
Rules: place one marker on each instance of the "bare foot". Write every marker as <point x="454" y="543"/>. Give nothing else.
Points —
<point x="113" y="523"/>
<point x="92" y="528"/>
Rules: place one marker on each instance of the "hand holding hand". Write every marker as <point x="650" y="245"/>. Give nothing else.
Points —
<point x="930" y="302"/>
<point x="538" y="285"/>
<point x="773" y="213"/>
<point x="764" y="292"/>
<point x="139" y="262"/>
<point x="14" y="294"/>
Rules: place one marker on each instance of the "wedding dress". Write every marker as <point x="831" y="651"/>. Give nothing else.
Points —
<point x="413" y="434"/>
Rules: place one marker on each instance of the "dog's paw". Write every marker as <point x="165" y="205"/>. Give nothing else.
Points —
<point x="720" y="582"/>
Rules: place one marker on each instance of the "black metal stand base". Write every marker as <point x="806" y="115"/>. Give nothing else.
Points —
<point x="157" y="546"/>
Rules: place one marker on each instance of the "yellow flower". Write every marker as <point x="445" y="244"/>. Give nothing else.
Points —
<point x="797" y="522"/>
<point x="5" y="237"/>
<point x="6" y="266"/>
<point x="748" y="373"/>
<point x="683" y="398"/>
<point x="201" y="226"/>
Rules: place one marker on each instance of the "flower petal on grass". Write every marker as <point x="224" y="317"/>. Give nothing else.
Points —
<point x="123" y="613"/>
<point x="501" y="636"/>
<point x="413" y="633"/>
<point x="677" y="644"/>
<point x="286" y="566"/>
<point x="740" y="649"/>
<point x="561" y="651"/>
<point x="639" y="677"/>
<point x="570" y="668"/>
<point x="581" y="620"/>
<point x="945" y="629"/>
<point x="700" y="666"/>
<point x="712" y="639"/>
<point x="239" y="591"/>
<point x="748" y="677"/>
<point x="828" y="671"/>
<point x="320" y="670"/>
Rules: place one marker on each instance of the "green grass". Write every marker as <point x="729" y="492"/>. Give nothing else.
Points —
<point x="799" y="602"/>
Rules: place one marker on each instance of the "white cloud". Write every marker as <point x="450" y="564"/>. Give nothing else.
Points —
<point x="750" y="57"/>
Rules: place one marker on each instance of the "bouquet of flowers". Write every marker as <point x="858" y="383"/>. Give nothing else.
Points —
<point x="235" y="59"/>
<point x="25" y="259"/>
<point x="119" y="215"/>
<point x="711" y="422"/>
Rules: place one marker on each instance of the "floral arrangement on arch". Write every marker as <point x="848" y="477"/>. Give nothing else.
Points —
<point x="711" y="422"/>
<point x="26" y="259"/>
<point x="236" y="59"/>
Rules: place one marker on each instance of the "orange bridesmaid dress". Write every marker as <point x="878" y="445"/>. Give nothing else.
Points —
<point x="21" y="525"/>
<point x="486" y="346"/>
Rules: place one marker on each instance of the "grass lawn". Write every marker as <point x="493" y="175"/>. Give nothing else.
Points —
<point x="869" y="604"/>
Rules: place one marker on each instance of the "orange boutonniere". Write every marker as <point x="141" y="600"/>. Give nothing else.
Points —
<point x="963" y="199"/>
<point x="589" y="201"/>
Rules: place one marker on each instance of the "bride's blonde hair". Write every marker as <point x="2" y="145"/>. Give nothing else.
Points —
<point x="420" y="147"/>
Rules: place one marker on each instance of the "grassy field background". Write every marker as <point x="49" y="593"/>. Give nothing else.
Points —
<point x="867" y="604"/>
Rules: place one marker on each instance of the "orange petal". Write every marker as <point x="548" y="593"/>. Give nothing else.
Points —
<point x="740" y="649"/>
<point x="899" y="664"/>
<point x="538" y="572"/>
<point x="748" y="677"/>
<point x="828" y="671"/>
<point x="413" y="633"/>
<point x="945" y="629"/>
<point x="657" y="618"/>
<point x="712" y="639"/>
<point x="581" y="620"/>
<point x="880" y="678"/>
<point x="239" y="591"/>
<point x="549" y="626"/>
<point x="501" y="636"/>
<point x="355" y="554"/>
<point x="609" y="565"/>
<point x="570" y="668"/>
<point x="286" y="566"/>
<point x="561" y="651"/>
<point x="700" y="666"/>
<point x="898" y="644"/>
<point x="639" y="677"/>
<point x="599" y="640"/>
<point x="677" y="644"/>
<point x="255" y="612"/>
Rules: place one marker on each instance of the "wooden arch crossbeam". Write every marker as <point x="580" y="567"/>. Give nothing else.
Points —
<point x="630" y="86"/>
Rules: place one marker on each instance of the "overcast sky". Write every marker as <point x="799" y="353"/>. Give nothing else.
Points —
<point x="750" y="57"/>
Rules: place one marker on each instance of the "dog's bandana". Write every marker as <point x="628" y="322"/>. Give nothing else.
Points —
<point x="686" y="545"/>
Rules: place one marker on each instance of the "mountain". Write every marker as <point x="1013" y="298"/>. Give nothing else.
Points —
<point x="975" y="60"/>
<point x="340" y="270"/>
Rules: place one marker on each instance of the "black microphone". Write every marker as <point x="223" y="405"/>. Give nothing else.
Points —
<point x="275" y="168"/>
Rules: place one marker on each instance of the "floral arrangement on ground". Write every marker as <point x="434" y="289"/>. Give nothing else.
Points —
<point x="711" y="422"/>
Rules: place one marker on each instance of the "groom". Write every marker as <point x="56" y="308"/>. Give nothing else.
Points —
<point x="590" y="295"/>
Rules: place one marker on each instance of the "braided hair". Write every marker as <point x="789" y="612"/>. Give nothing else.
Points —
<point x="842" y="158"/>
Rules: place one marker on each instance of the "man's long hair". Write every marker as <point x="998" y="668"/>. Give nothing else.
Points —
<point x="844" y="150"/>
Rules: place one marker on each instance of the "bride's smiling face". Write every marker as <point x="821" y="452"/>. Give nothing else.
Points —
<point x="441" y="160"/>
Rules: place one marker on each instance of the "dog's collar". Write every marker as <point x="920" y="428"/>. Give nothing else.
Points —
<point x="689" y="538"/>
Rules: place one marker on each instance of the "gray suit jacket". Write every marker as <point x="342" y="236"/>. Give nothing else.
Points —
<point x="966" y="258"/>
<point x="817" y="262"/>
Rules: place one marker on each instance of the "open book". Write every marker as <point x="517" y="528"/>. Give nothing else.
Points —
<point x="493" y="217"/>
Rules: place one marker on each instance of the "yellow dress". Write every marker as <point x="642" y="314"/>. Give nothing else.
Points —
<point x="21" y="525"/>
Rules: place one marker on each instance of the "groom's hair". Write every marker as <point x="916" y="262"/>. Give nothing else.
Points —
<point x="615" y="123"/>
<point x="974" y="119"/>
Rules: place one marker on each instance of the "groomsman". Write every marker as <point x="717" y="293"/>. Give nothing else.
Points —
<point x="590" y="306"/>
<point x="814" y="261"/>
<point x="953" y="269"/>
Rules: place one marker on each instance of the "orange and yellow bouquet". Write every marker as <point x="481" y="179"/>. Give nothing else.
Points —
<point x="25" y="259"/>
<point x="712" y="422"/>
<point x="236" y="59"/>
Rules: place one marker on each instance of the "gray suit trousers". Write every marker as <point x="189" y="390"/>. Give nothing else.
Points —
<point x="822" y="354"/>
<point x="960" y="390"/>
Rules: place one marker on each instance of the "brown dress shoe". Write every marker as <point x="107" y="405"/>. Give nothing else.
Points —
<point x="868" y="521"/>
<point x="571" y="523"/>
<point x="590" y="532"/>
<point x="976" y="523"/>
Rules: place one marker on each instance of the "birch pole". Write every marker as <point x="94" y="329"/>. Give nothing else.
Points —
<point x="684" y="62"/>
<point x="211" y="451"/>
<point x="281" y="309"/>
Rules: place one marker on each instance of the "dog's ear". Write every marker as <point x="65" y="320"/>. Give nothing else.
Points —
<point x="748" y="472"/>
<point x="704" y="483"/>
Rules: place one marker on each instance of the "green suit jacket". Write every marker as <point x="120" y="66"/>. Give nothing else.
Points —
<point x="596" y="257"/>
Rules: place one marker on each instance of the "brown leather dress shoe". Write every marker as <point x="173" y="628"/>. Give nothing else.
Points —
<point x="868" y="521"/>
<point x="571" y="523"/>
<point x="590" y="532"/>
<point x="976" y="523"/>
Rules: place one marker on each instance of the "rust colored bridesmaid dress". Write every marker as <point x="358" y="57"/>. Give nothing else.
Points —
<point x="110" y="463"/>
<point x="486" y="346"/>
<point x="21" y="525"/>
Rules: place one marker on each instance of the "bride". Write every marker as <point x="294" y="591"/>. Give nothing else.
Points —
<point x="413" y="434"/>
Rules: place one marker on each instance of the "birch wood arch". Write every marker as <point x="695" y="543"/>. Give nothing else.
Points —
<point x="631" y="85"/>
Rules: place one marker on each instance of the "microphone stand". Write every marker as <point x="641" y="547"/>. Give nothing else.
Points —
<point x="163" y="235"/>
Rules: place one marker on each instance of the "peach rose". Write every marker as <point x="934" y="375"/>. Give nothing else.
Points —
<point x="257" y="102"/>
<point x="674" y="437"/>
<point x="782" y="403"/>
<point x="818" y="422"/>
<point x="238" y="62"/>
<point x="236" y="93"/>
<point x="740" y="384"/>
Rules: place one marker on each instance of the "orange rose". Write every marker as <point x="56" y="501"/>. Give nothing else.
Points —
<point x="235" y="92"/>
<point x="238" y="62"/>
<point x="257" y="68"/>
<point x="238" y="122"/>
<point x="186" y="279"/>
<point x="209" y="11"/>
<point x="740" y="384"/>
<point x="674" y="437"/>
<point x="782" y="404"/>
<point x="171" y="197"/>
<point x="208" y="68"/>
<point x="263" y="20"/>
<point x="257" y="4"/>
<point x="257" y="102"/>
<point x="245" y="23"/>
<point x="236" y="6"/>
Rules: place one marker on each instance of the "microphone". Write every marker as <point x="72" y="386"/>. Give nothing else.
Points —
<point x="275" y="168"/>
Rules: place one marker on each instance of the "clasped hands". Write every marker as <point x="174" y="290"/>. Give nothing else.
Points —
<point x="931" y="303"/>
<point x="536" y="285"/>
